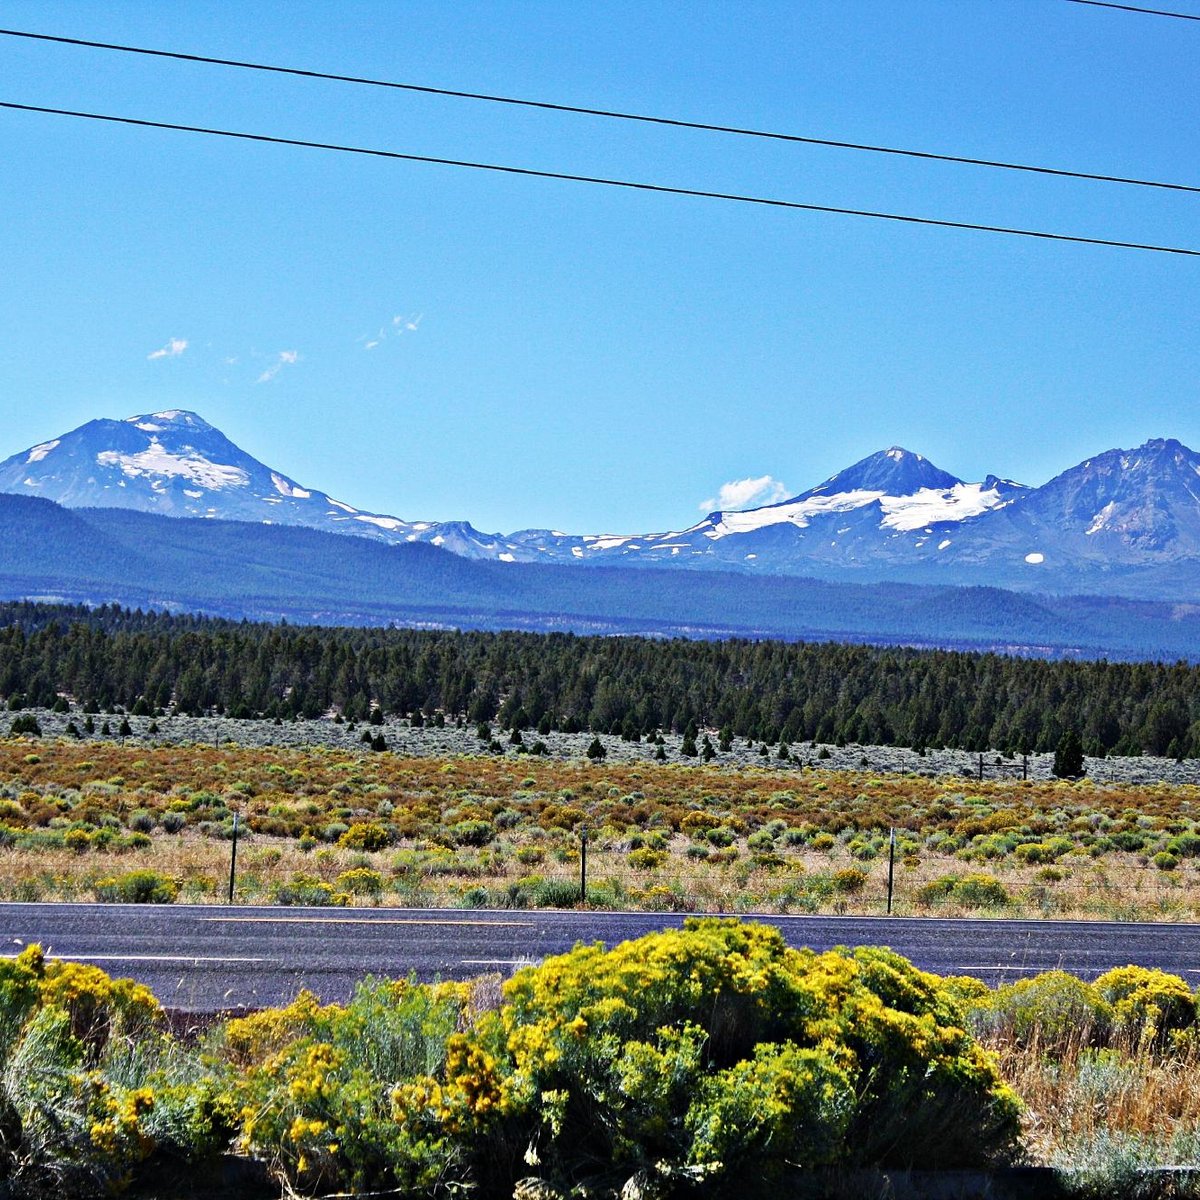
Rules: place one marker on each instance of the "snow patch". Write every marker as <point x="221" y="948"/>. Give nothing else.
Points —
<point x="437" y="541"/>
<point x="943" y="544"/>
<point x="932" y="506"/>
<point x="577" y="551"/>
<point x="608" y="542"/>
<point x="507" y="558"/>
<point x="339" y="504"/>
<point x="799" y="514"/>
<point x="284" y="488"/>
<point x="194" y="495"/>
<point x="40" y="452"/>
<point x="157" y="460"/>
<point x="1101" y="519"/>
<point x="382" y="522"/>
<point x="148" y="426"/>
<point x="928" y="506"/>
<point x="1035" y="558"/>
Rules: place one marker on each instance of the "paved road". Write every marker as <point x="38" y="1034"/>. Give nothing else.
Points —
<point x="203" y="958"/>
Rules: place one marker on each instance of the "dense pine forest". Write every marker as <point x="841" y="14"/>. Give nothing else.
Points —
<point x="763" y="690"/>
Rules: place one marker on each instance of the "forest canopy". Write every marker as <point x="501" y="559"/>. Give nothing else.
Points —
<point x="763" y="690"/>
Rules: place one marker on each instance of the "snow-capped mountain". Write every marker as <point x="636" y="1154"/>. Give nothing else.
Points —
<point x="1123" y="522"/>
<point x="891" y="502"/>
<point x="176" y="464"/>
<point x="1121" y="511"/>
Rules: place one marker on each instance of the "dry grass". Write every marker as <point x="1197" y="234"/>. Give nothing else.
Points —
<point x="538" y="808"/>
<point x="1110" y="1120"/>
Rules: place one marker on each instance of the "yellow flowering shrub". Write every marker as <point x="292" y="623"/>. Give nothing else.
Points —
<point x="360" y="1096"/>
<point x="91" y="1086"/>
<point x="1148" y="1003"/>
<point x="691" y="1051"/>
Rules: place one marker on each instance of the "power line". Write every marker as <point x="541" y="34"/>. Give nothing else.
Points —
<point x="602" y="181"/>
<point x="611" y="114"/>
<point x="1137" y="8"/>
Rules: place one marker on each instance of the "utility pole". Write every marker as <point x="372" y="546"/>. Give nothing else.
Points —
<point x="891" y="867"/>
<point x="233" y="858"/>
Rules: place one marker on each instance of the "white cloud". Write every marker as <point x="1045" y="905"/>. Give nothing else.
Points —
<point x="173" y="349"/>
<point x="745" y="493"/>
<point x="285" y="358"/>
<point x="399" y="325"/>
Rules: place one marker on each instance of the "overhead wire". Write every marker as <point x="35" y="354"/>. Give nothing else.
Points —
<point x="633" y="185"/>
<point x="610" y="114"/>
<point x="1137" y="8"/>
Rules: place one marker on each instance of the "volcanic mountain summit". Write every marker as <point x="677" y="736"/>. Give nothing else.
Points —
<point x="1126" y="521"/>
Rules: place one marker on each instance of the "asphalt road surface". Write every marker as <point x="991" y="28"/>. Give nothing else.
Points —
<point x="204" y="958"/>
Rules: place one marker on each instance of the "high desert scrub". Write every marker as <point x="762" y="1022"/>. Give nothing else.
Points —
<point x="143" y="822"/>
<point x="686" y="1058"/>
<point x="708" y="1061"/>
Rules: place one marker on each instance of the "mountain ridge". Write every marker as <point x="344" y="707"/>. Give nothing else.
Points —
<point x="273" y="572"/>
<point x="1123" y="521"/>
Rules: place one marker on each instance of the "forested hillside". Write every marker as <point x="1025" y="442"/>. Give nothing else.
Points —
<point x="765" y="690"/>
<point x="266" y="572"/>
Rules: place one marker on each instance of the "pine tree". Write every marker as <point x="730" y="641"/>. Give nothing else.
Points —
<point x="1068" y="757"/>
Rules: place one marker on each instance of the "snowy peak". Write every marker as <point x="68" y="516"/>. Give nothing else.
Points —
<point x="1147" y="498"/>
<point x="891" y="472"/>
<point x="903" y="490"/>
<point x="170" y="419"/>
<point x="175" y="463"/>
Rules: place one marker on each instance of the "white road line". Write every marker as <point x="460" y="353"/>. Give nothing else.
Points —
<point x="165" y="958"/>
<point x="365" y="921"/>
<point x="497" y="962"/>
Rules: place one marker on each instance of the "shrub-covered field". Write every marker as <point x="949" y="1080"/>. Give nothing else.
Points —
<point x="139" y="821"/>
<point x="705" y="1061"/>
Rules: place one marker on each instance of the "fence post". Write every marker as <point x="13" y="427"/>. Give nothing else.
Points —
<point x="1024" y="766"/>
<point x="233" y="858"/>
<point x="981" y="768"/>
<point x="891" y="867"/>
<point x="583" y="864"/>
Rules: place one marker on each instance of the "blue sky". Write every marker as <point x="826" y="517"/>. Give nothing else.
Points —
<point x="551" y="354"/>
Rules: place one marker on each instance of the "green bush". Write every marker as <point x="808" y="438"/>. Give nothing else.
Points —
<point x="970" y="891"/>
<point x="472" y="833"/>
<point x="361" y="881"/>
<point x="646" y="859"/>
<point x="338" y="1096"/>
<point x="366" y="835"/>
<point x="90" y="1088"/>
<point x="25" y="725"/>
<point x="1052" y="1010"/>
<point x="304" y="889"/>
<point x="555" y="893"/>
<point x="138" y="887"/>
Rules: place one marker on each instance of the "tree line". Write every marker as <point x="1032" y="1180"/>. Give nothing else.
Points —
<point x="768" y="691"/>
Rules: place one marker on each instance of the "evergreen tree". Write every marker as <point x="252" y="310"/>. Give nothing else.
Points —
<point x="596" y="750"/>
<point x="1068" y="757"/>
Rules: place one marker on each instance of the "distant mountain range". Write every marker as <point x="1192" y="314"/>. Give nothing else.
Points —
<point x="272" y="572"/>
<point x="1126" y="522"/>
